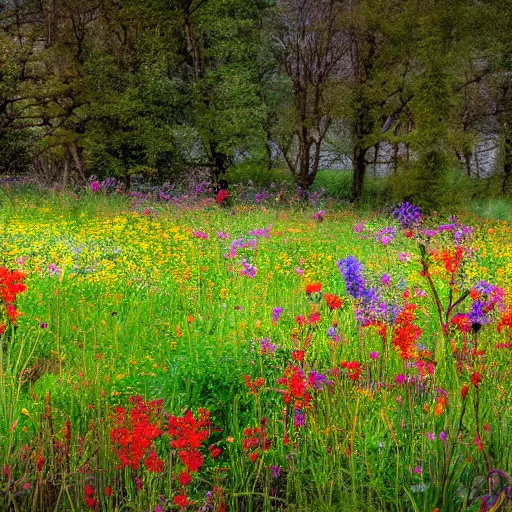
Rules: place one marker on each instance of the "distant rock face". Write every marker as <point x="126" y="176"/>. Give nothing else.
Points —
<point x="384" y="159"/>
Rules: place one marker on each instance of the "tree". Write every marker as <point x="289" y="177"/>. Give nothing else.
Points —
<point x="310" y="46"/>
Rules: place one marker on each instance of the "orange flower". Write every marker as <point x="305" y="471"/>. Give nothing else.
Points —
<point x="333" y="301"/>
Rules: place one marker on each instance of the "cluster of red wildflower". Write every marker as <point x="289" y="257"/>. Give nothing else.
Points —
<point x="405" y="332"/>
<point x="505" y="321"/>
<point x="353" y="369"/>
<point x="312" y="319"/>
<point x="255" y="385"/>
<point x="222" y="195"/>
<point x="134" y="434"/>
<point x="451" y="260"/>
<point x="187" y="435"/>
<point x="333" y="301"/>
<point x="313" y="288"/>
<point x="296" y="387"/>
<point x="90" y="500"/>
<point x="11" y="284"/>
<point x="256" y="440"/>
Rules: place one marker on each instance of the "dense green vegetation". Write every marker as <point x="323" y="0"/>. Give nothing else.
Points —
<point x="168" y="87"/>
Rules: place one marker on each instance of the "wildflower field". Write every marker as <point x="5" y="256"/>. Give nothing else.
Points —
<point x="160" y="358"/>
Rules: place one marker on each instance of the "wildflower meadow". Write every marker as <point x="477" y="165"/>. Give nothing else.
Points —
<point x="252" y="357"/>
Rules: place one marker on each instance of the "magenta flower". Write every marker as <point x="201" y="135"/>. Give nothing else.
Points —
<point x="400" y="379"/>
<point x="95" y="186"/>
<point x="374" y="355"/>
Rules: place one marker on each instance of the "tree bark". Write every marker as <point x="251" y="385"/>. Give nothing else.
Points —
<point x="359" y="163"/>
<point x="507" y="164"/>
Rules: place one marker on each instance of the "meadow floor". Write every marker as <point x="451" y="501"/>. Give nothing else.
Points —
<point x="251" y="358"/>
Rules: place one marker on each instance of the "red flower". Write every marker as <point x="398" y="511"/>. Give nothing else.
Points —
<point x="253" y="456"/>
<point x="184" y="478"/>
<point x="109" y="491"/>
<point x="222" y="195"/>
<point x="333" y="301"/>
<point x="215" y="451"/>
<point x="476" y="378"/>
<point x="187" y="435"/>
<point x="90" y="500"/>
<point x="406" y="332"/>
<point x="153" y="463"/>
<point x="313" y="288"/>
<point x="478" y="442"/>
<point x="464" y="391"/>
<point x="298" y="355"/>
<point x="40" y="463"/>
<point x="181" y="500"/>
<point x="135" y="432"/>
<point x="353" y="368"/>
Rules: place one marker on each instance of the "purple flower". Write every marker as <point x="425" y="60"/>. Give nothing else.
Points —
<point x="331" y="332"/>
<point x="351" y="270"/>
<point x="385" y="279"/>
<point x="299" y="271"/>
<point x="385" y="235"/>
<point x="443" y="436"/>
<point x="404" y="257"/>
<point x="276" y="313"/>
<point x="318" y="380"/>
<point x="431" y="436"/>
<point x="200" y="234"/>
<point x="261" y="233"/>
<point x="407" y="215"/>
<point x="299" y="420"/>
<point x="108" y="184"/>
<point x="358" y="228"/>
<point x="374" y="355"/>
<point x="43" y="325"/>
<point x="276" y="471"/>
<point x="54" y="270"/>
<point x="223" y="236"/>
<point x="248" y="270"/>
<point x="418" y="470"/>
<point x="319" y="216"/>
<point x="266" y="347"/>
<point x="400" y="379"/>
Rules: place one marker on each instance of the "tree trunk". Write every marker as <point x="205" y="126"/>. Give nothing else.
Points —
<point x="65" y="177"/>
<point x="359" y="172"/>
<point x="507" y="165"/>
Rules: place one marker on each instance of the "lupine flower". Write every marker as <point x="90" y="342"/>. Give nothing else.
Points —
<point x="351" y="270"/>
<point x="299" y="420"/>
<point x="407" y="215"/>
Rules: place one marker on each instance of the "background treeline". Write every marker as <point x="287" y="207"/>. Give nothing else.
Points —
<point x="169" y="87"/>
